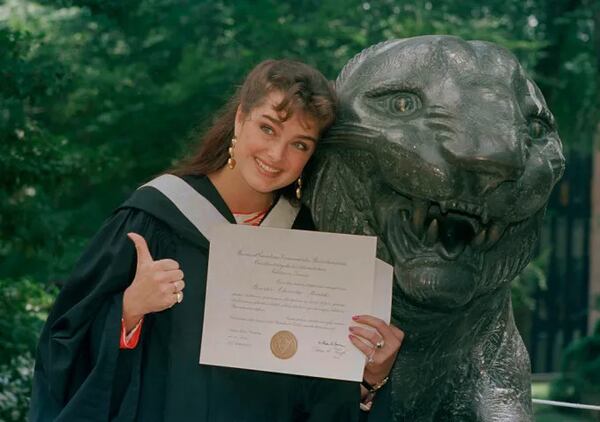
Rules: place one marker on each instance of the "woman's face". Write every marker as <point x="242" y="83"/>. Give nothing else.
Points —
<point x="270" y="153"/>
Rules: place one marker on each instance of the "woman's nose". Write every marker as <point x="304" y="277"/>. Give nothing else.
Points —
<point x="276" y="151"/>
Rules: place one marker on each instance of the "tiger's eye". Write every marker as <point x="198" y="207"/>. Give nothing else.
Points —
<point x="395" y="103"/>
<point x="537" y="129"/>
<point x="405" y="103"/>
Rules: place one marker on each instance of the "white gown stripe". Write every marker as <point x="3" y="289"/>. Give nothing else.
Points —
<point x="203" y="214"/>
<point x="282" y="216"/>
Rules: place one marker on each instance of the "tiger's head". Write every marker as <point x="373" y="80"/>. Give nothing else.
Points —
<point x="444" y="149"/>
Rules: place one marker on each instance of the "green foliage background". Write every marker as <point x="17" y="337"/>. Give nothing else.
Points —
<point x="97" y="96"/>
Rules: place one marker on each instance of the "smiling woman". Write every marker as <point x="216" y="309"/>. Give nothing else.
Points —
<point x="249" y="165"/>
<point x="271" y="149"/>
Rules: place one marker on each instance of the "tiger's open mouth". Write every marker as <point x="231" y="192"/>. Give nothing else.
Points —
<point x="450" y="226"/>
<point x="446" y="227"/>
<point x="439" y="247"/>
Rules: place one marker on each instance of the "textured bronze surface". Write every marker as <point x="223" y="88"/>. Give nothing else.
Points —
<point x="444" y="149"/>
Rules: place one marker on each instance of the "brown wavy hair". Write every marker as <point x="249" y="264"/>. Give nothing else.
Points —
<point x="304" y="89"/>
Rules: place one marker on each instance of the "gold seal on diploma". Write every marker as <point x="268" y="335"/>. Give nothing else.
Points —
<point x="284" y="344"/>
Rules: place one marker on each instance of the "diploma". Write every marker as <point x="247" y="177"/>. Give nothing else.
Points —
<point x="282" y="300"/>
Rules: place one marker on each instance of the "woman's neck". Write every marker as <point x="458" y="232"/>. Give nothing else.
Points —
<point x="236" y="193"/>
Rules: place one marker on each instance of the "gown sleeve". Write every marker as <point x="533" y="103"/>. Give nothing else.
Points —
<point x="78" y="354"/>
<point x="129" y="340"/>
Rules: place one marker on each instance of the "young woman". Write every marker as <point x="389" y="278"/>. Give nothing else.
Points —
<point x="249" y="163"/>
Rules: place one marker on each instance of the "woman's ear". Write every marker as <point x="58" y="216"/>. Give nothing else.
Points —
<point x="239" y="120"/>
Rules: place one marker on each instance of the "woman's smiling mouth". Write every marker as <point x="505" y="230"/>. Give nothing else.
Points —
<point x="266" y="169"/>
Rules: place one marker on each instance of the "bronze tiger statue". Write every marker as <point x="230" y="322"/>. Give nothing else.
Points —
<point x="444" y="149"/>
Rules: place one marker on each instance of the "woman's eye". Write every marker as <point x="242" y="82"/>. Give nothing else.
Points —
<point x="300" y="146"/>
<point x="267" y="129"/>
<point x="537" y="129"/>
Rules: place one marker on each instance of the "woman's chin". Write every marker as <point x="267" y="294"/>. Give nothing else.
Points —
<point x="266" y="184"/>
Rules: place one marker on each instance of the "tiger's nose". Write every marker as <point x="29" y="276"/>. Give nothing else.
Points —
<point x="504" y="165"/>
<point x="493" y="159"/>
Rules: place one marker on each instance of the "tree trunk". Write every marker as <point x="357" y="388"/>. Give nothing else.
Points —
<point x="594" y="285"/>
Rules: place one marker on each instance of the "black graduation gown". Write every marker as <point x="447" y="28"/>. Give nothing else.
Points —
<point x="82" y="375"/>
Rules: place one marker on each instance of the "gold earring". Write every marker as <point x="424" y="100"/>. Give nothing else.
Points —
<point x="231" y="160"/>
<point x="299" y="188"/>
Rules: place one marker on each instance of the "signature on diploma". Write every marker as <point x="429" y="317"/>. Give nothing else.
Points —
<point x="331" y="347"/>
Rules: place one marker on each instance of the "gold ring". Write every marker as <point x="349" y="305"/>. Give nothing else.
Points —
<point x="380" y="344"/>
<point x="179" y="297"/>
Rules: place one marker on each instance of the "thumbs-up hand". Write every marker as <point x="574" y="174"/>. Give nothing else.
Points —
<point x="157" y="285"/>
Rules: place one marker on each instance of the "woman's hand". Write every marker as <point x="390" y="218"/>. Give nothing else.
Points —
<point x="157" y="285"/>
<point x="380" y="344"/>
